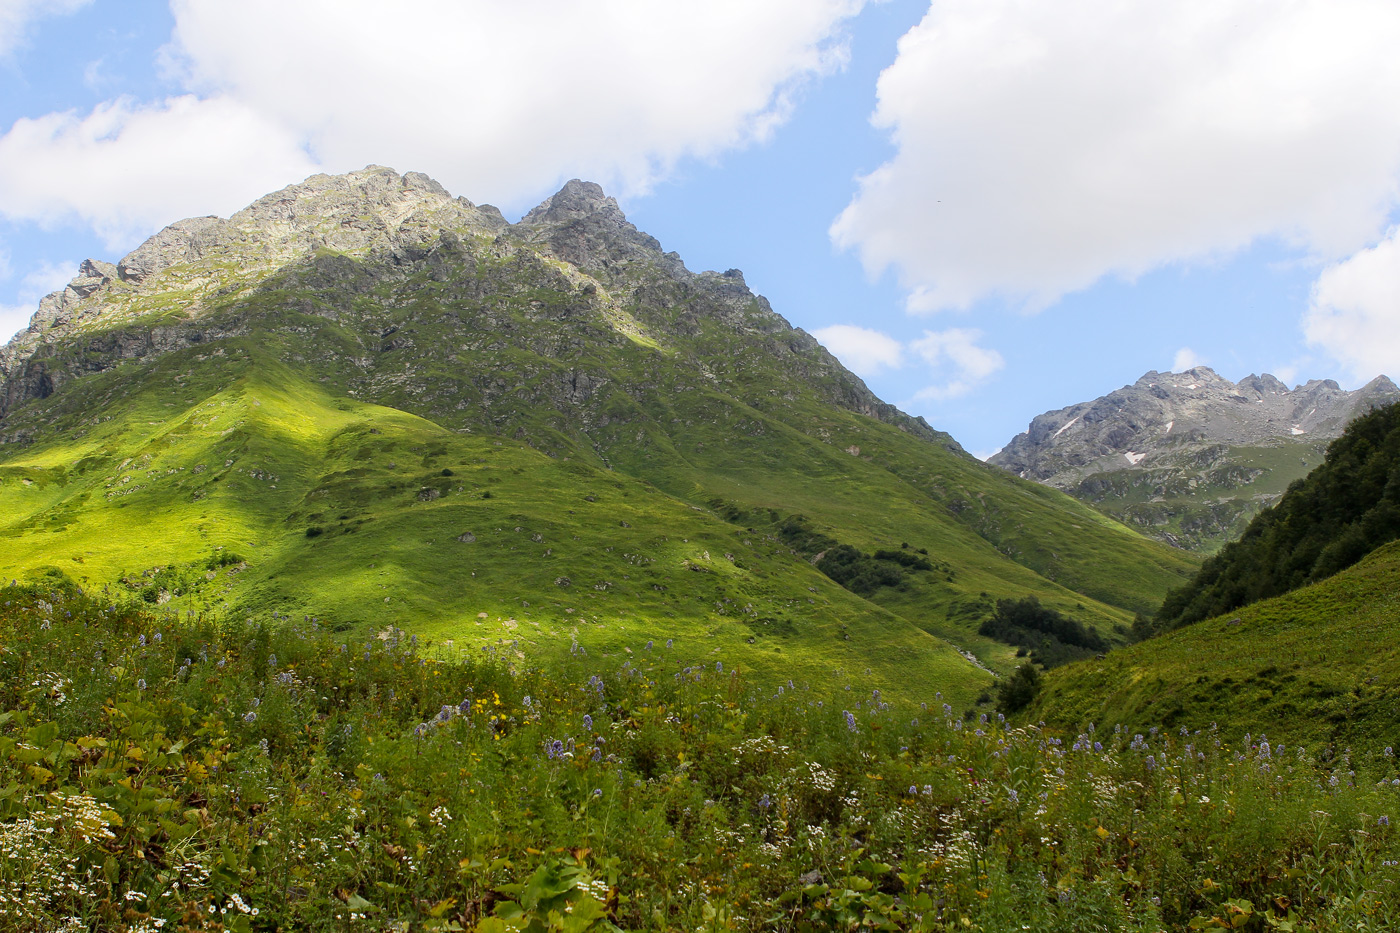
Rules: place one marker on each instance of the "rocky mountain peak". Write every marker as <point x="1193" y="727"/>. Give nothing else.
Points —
<point x="1176" y="434"/>
<point x="347" y="234"/>
<point x="1263" y="385"/>
<point x="573" y="202"/>
<point x="581" y="225"/>
<point x="374" y="209"/>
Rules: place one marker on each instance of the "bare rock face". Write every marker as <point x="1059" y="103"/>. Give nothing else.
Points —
<point x="583" y="226"/>
<point x="1189" y="456"/>
<point x="182" y="241"/>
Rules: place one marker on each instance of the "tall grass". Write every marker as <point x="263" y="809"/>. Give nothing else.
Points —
<point x="160" y="772"/>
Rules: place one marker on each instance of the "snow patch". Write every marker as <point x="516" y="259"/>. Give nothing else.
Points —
<point x="1064" y="428"/>
<point x="1133" y="458"/>
<point x="1169" y="426"/>
<point x="1297" y="430"/>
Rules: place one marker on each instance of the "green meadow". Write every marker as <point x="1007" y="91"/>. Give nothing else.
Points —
<point x="162" y="771"/>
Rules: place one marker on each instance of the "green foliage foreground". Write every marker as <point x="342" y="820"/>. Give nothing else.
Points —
<point x="166" y="773"/>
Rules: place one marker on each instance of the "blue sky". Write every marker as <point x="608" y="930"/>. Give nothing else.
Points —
<point x="987" y="208"/>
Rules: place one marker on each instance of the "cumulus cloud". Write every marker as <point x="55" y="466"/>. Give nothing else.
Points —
<point x="125" y="168"/>
<point x="35" y="284"/>
<point x="16" y="17"/>
<point x="863" y="351"/>
<point x="1185" y="359"/>
<point x="498" y="101"/>
<point x="1354" y="314"/>
<point x="1043" y="146"/>
<point x="958" y="362"/>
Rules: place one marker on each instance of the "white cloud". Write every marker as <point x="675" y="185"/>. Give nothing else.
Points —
<point x="1355" y="311"/>
<point x="35" y="284"/>
<point x="1185" y="359"/>
<point x="1042" y="146"/>
<point x="960" y="364"/>
<point x="498" y="101"/>
<point x="16" y="16"/>
<point x="126" y="169"/>
<point x="865" y="352"/>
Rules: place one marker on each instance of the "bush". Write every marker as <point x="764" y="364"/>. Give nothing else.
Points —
<point x="1019" y="690"/>
<point x="1051" y="638"/>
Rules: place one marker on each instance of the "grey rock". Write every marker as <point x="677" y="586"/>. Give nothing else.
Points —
<point x="98" y="268"/>
<point x="180" y="242"/>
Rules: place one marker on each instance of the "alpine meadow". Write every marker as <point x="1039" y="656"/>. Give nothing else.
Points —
<point x="376" y="563"/>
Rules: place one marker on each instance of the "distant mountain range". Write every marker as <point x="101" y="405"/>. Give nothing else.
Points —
<point x="1189" y="457"/>
<point x="366" y="400"/>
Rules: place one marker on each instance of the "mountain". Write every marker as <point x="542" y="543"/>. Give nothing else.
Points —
<point x="363" y="399"/>
<point x="1189" y="457"/>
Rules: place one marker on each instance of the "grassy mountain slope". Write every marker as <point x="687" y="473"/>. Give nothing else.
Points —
<point x="265" y="493"/>
<point x="563" y="358"/>
<point x="1321" y="663"/>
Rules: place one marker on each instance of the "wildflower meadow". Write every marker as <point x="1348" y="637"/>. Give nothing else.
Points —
<point x="167" y="772"/>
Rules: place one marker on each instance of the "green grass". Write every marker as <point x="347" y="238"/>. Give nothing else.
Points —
<point x="163" y="772"/>
<point x="249" y="469"/>
<point x="1320" y="664"/>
